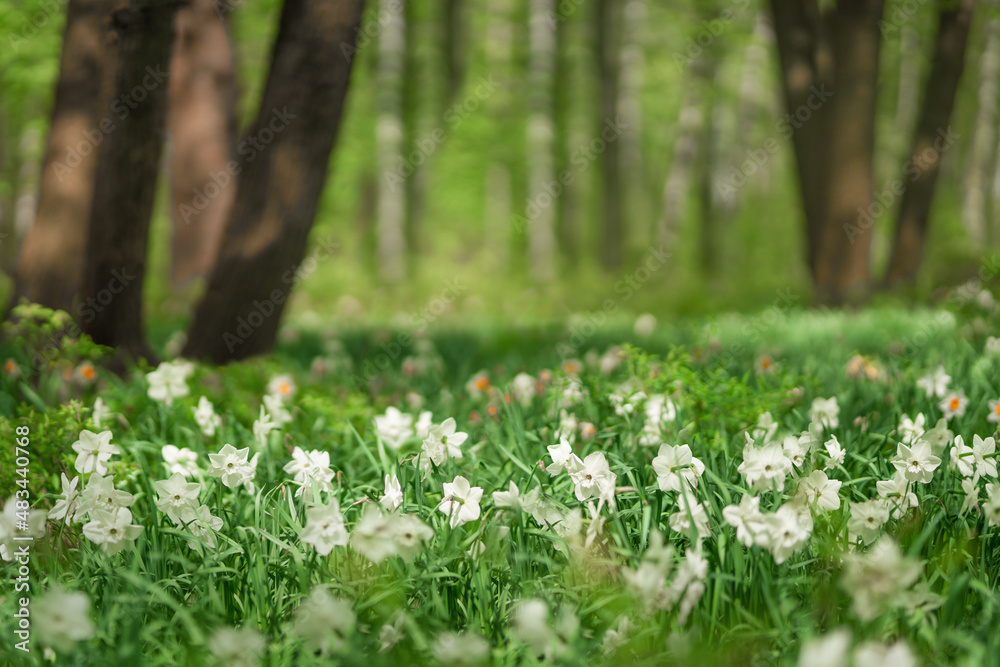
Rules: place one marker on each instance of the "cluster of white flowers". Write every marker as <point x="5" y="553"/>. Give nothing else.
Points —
<point x="233" y="467"/>
<point x="529" y="624"/>
<point x="311" y="471"/>
<point x="206" y="418"/>
<point x="592" y="477"/>
<point x="169" y="381"/>
<point x="376" y="536"/>
<point x="834" y="650"/>
<point x="659" y="411"/>
<point x="651" y="583"/>
<point x="394" y="427"/>
<point x="441" y="442"/>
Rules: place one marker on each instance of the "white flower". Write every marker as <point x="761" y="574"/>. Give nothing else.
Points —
<point x="390" y="635"/>
<point x="12" y="525"/>
<point x="309" y="469"/>
<point x="101" y="494"/>
<point x="282" y="387"/>
<point x="276" y="410"/>
<point x="795" y="449"/>
<point x="825" y="411"/>
<point x="659" y="410"/>
<point x="910" y="430"/>
<point x="936" y="383"/>
<point x="819" y="491"/>
<point x="509" y="498"/>
<point x="423" y="426"/>
<point x="206" y="418"/>
<point x="568" y="426"/>
<point x="61" y="619"/>
<point x="879" y="578"/>
<point x="748" y="521"/>
<point x="199" y="520"/>
<point x="461" y="501"/>
<point x="830" y="650"/>
<point x="100" y="413"/>
<point x="237" y="648"/>
<point x="992" y="507"/>
<point x="324" y="528"/>
<point x="676" y="469"/>
<point x="94" y="451"/>
<point x="898" y="494"/>
<point x="409" y="534"/>
<point x="465" y="650"/>
<point x="624" y="403"/>
<point x="563" y="458"/>
<point x="690" y="519"/>
<point x="374" y="535"/>
<point x="324" y="622"/>
<point x="530" y="624"/>
<point x="262" y="426"/>
<point x="231" y="465"/>
<point x="393" y="496"/>
<point x="169" y="381"/>
<point x="65" y="507"/>
<point x="441" y="442"/>
<point x="787" y="530"/>
<point x="834" y="452"/>
<point x="766" y="429"/>
<point x="873" y="654"/>
<point x="971" y="490"/>
<point x="994" y="415"/>
<point x="615" y="638"/>
<point x="866" y="520"/>
<point x="523" y="386"/>
<point x="992" y="345"/>
<point x="916" y="462"/>
<point x="764" y="467"/>
<point x="983" y="456"/>
<point x="176" y="495"/>
<point x="954" y="404"/>
<point x="594" y="478"/>
<point x="182" y="461"/>
<point x="938" y="437"/>
<point x="112" y="530"/>
<point x="394" y="427"/>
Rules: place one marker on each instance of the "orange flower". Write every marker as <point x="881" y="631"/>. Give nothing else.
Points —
<point x="86" y="372"/>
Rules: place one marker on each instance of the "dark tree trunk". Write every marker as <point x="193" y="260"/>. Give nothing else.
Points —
<point x="932" y="137"/>
<point x="50" y="263"/>
<point x="125" y="183"/>
<point x="203" y="131"/>
<point x="608" y="14"/>
<point x="845" y="254"/>
<point x="280" y="183"/>
<point x="806" y="66"/>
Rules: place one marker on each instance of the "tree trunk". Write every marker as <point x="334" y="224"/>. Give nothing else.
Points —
<point x="608" y="14"/>
<point x="806" y="57"/>
<point x="984" y="141"/>
<point x="125" y="183"/>
<point x="202" y="124"/>
<point x="50" y="263"/>
<point x="281" y="182"/>
<point x="394" y="183"/>
<point x="844" y="258"/>
<point x="542" y="196"/>
<point x="932" y="138"/>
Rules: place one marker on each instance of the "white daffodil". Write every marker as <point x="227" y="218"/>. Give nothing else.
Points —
<point x="936" y="383"/>
<point x="563" y="458"/>
<point x="917" y="462"/>
<point x="309" y="469"/>
<point x="182" y="461"/>
<point x="866" y="520"/>
<point x="835" y="453"/>
<point x="393" y="496"/>
<point x="991" y="508"/>
<point x="954" y="404"/>
<point x="748" y="521"/>
<point x="676" y="469"/>
<point x="898" y="494"/>
<point x="61" y="619"/>
<point x="112" y="530"/>
<point x="231" y="465"/>
<point x="825" y="411"/>
<point x="206" y="418"/>
<point x="461" y="501"/>
<point x="94" y="450"/>
<point x="509" y="498"/>
<point x="819" y="491"/>
<point x="176" y="495"/>
<point x="169" y="381"/>
<point x="374" y="535"/>
<point x="276" y="410"/>
<point x="324" y="622"/>
<point x="100" y="494"/>
<point x="691" y="518"/>
<point x="324" y="528"/>
<point x="787" y="530"/>
<point x="595" y="479"/>
<point x="910" y="430"/>
<point x="281" y="387"/>
<point x="66" y="506"/>
<point x="409" y="534"/>
<point x="878" y="579"/>
<point x="764" y="467"/>
<point x="201" y="523"/>
<point x="394" y="427"/>
<point x="460" y="650"/>
<point x="100" y="412"/>
<point x="237" y="648"/>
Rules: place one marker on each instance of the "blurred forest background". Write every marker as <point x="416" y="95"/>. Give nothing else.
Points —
<point x="462" y="114"/>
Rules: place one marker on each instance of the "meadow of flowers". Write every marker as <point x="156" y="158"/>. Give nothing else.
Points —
<point x="814" y="490"/>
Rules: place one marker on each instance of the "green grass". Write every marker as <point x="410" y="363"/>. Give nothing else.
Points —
<point x="161" y="601"/>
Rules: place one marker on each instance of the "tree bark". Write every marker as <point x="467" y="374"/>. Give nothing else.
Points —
<point x="50" y="263"/>
<point x="125" y="183"/>
<point x="608" y="15"/>
<point x="844" y="258"/>
<point x="203" y="128"/>
<point x="931" y="139"/>
<point x="984" y="141"/>
<point x="280" y="183"/>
